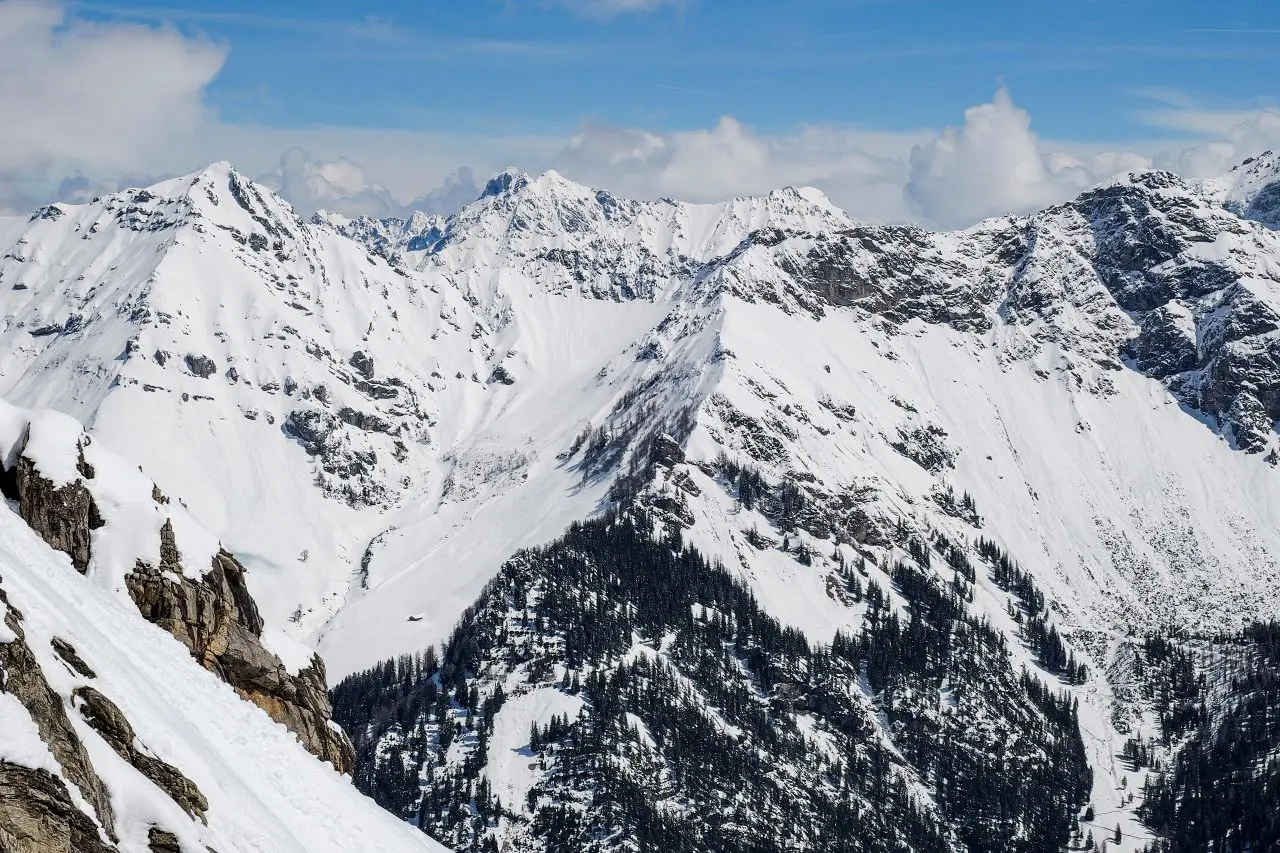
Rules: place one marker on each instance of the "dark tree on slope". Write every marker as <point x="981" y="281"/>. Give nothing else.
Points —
<point x="749" y="738"/>
<point x="1223" y="792"/>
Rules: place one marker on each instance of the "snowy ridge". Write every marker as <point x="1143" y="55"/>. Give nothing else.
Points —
<point x="375" y="415"/>
<point x="457" y="380"/>
<point x="1251" y="189"/>
<point x="389" y="379"/>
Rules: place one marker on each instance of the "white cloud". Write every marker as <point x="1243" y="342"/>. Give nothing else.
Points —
<point x="338" y="185"/>
<point x="993" y="164"/>
<point x="407" y="163"/>
<point x="1235" y="135"/>
<point x="454" y="193"/>
<point x="98" y="98"/>
<point x="604" y="9"/>
<point x="855" y="168"/>
<point x="342" y="186"/>
<point x="112" y="103"/>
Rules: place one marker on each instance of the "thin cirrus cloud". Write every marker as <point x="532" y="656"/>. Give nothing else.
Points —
<point x="607" y="9"/>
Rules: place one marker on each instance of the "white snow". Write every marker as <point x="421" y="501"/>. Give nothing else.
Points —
<point x="294" y="655"/>
<point x="510" y="763"/>
<point x="21" y="742"/>
<point x="265" y="792"/>
<point x="1129" y="511"/>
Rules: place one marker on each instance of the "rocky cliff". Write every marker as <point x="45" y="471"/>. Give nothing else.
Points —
<point x="210" y="610"/>
<point x="37" y="812"/>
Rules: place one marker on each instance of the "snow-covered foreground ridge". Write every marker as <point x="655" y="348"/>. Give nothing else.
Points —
<point x="113" y="737"/>
<point x="374" y="415"/>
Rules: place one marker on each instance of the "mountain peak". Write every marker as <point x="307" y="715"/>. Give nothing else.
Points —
<point x="1251" y="189"/>
<point x="506" y="181"/>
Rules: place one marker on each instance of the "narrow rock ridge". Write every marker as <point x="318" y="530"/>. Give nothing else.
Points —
<point x="109" y="721"/>
<point x="45" y="798"/>
<point x="215" y="617"/>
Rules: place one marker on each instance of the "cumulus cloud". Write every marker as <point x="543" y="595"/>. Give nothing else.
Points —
<point x="994" y="164"/>
<point x="730" y="159"/>
<point x="991" y="164"/>
<point x="76" y="95"/>
<point x="112" y="104"/>
<point x="337" y="185"/>
<point x="342" y="186"/>
<point x="1236" y="136"/>
<point x="456" y="192"/>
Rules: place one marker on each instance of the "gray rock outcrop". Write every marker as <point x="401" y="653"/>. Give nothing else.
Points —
<point x="215" y="617"/>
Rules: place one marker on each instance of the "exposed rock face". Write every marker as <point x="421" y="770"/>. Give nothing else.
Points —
<point x="350" y="464"/>
<point x="64" y="516"/>
<point x="1147" y="269"/>
<point x="108" y="720"/>
<point x="201" y="365"/>
<point x="1166" y="344"/>
<point x="162" y="841"/>
<point x="69" y="656"/>
<point x="215" y="617"/>
<point x="362" y="363"/>
<point x="38" y="816"/>
<point x="24" y="680"/>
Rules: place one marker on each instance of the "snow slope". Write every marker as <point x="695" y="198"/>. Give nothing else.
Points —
<point x="375" y="415"/>
<point x="265" y="792"/>
<point x="307" y="400"/>
<point x="375" y="437"/>
<point x="1131" y="514"/>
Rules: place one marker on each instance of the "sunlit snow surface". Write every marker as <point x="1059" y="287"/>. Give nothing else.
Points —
<point x="266" y="793"/>
<point x="600" y="312"/>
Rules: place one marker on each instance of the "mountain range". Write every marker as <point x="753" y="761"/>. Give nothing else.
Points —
<point x="627" y="525"/>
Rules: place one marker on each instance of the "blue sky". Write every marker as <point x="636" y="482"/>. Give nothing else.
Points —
<point x="1085" y="69"/>
<point x="934" y="112"/>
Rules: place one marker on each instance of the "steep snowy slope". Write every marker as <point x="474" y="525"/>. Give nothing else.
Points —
<point x="113" y="736"/>
<point x="1092" y="388"/>
<point x="376" y="415"/>
<point x="1251" y="189"/>
<point x="1038" y="355"/>
<point x="295" y="388"/>
<point x="375" y="439"/>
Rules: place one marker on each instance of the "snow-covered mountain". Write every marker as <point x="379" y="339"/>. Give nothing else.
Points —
<point x="374" y="416"/>
<point x="141" y="702"/>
